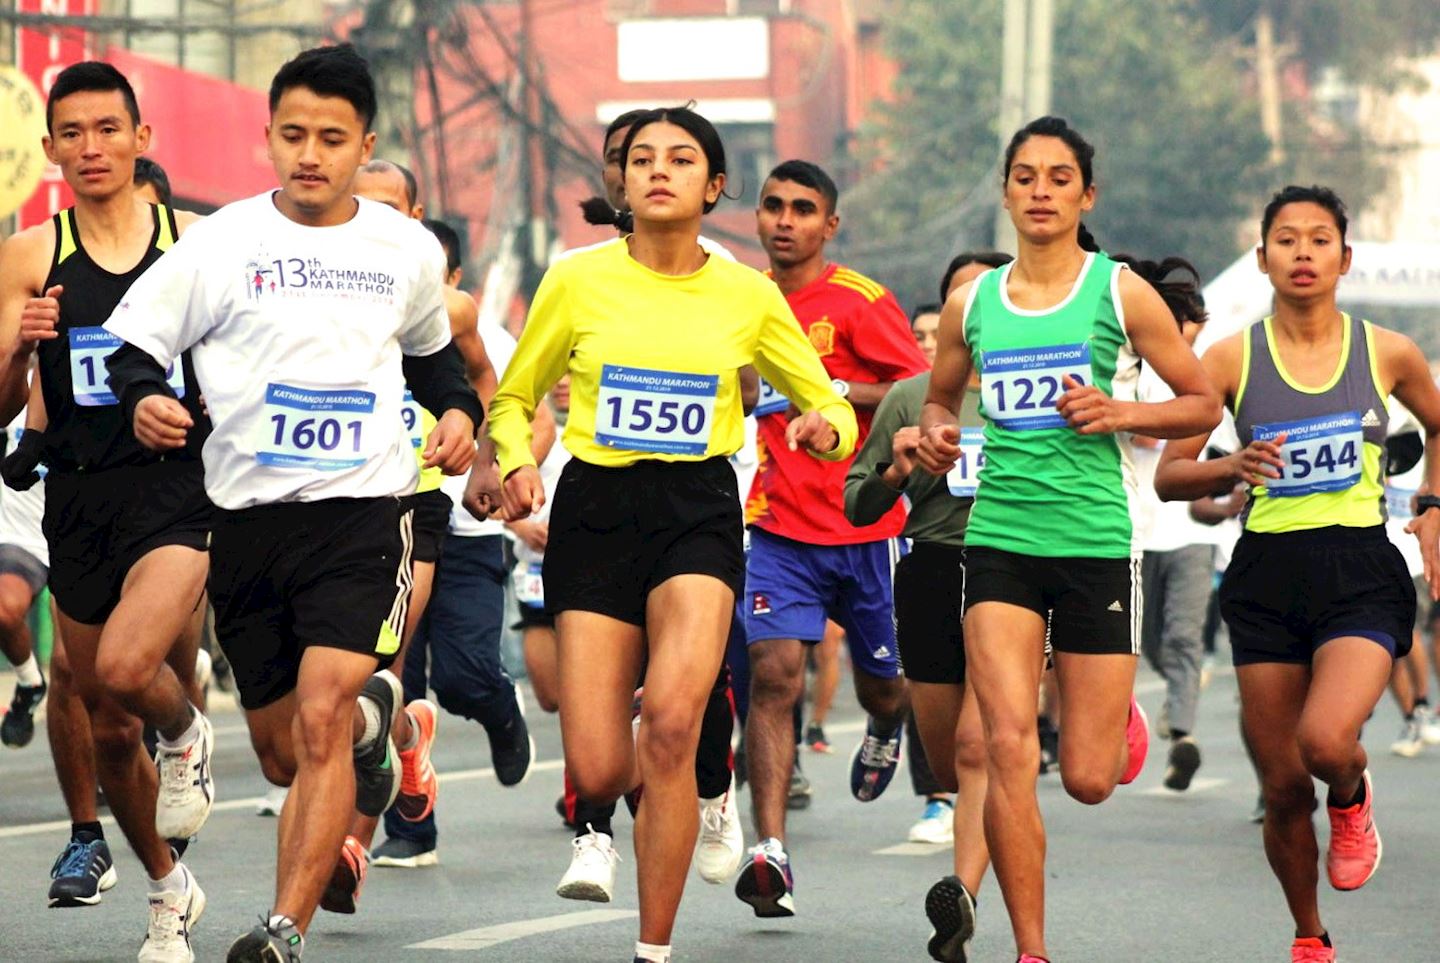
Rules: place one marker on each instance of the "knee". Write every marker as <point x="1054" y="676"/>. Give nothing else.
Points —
<point x="125" y="678"/>
<point x="667" y="741"/>
<point x="116" y="733"/>
<point x="775" y="683"/>
<point x="1012" y="747"/>
<point x="276" y="764"/>
<point x="323" y="727"/>
<point x="882" y="698"/>
<point x="970" y="753"/>
<point x="1087" y="785"/>
<point x="596" y="782"/>
<point x="546" y="700"/>
<point x="1289" y="795"/>
<point x="1326" y="753"/>
<point x="12" y="616"/>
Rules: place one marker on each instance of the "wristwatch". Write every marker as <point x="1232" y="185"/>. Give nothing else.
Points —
<point x="842" y="387"/>
<point x="1426" y="502"/>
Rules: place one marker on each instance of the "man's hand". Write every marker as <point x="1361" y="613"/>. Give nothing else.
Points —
<point x="483" y="497"/>
<point x="902" y="456"/>
<point x="1426" y="527"/>
<point x="40" y="316"/>
<point x="1091" y="411"/>
<point x="812" y="432"/>
<point x="532" y="533"/>
<point x="451" y="446"/>
<point x="524" y="493"/>
<point x="161" y="423"/>
<point x="939" y="449"/>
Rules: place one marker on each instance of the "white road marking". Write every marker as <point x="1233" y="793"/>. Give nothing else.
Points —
<point x="488" y="936"/>
<point x="912" y="849"/>
<point x="1198" y="785"/>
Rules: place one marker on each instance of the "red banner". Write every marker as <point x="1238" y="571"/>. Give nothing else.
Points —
<point x="41" y="54"/>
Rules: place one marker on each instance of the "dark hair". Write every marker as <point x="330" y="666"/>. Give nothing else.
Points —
<point x="597" y="211"/>
<point x="90" y="75"/>
<point x="1083" y="150"/>
<point x="449" y="239"/>
<point x="337" y="71"/>
<point x="1314" y="194"/>
<point x="808" y="175"/>
<point x="927" y="308"/>
<point x="693" y="124"/>
<point x="622" y="122"/>
<point x="412" y="186"/>
<point x="992" y="259"/>
<point x="149" y="172"/>
<point x="1181" y="294"/>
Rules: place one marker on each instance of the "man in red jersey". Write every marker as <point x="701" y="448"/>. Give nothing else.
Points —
<point x="807" y="562"/>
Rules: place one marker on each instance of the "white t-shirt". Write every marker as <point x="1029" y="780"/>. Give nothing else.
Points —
<point x="20" y="512"/>
<point x="296" y="335"/>
<point x="500" y="347"/>
<point x="1165" y="526"/>
<point x="1399" y="489"/>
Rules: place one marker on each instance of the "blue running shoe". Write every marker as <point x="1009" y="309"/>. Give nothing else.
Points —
<point x="767" y="882"/>
<point x="874" y="762"/>
<point x="81" y="873"/>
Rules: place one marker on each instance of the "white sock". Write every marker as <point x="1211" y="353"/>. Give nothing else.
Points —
<point x="652" y="952"/>
<point x="27" y="673"/>
<point x="188" y="737"/>
<point x="278" y="922"/>
<point x="173" y="881"/>
<point x="370" y="710"/>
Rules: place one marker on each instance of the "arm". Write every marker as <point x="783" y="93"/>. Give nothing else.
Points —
<point x="749" y="388"/>
<point x="869" y="491"/>
<point x="882" y="340"/>
<point x="940" y="415"/>
<point x="1214" y="509"/>
<point x="542" y="433"/>
<point x="22" y="272"/>
<point x="785" y="358"/>
<point x="465" y="334"/>
<point x="1402" y="363"/>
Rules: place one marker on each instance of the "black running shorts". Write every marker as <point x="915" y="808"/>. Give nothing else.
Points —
<point x="616" y="533"/>
<point x="1093" y="604"/>
<point x="284" y="577"/>
<point x="929" y="613"/>
<point x="1286" y="594"/>
<point x="432" y="523"/>
<point x="99" y="524"/>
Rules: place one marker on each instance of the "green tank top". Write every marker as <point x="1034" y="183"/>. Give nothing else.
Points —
<point x="1046" y="490"/>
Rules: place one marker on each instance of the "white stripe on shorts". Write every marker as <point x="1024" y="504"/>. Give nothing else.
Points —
<point x="404" y="575"/>
<point x="1137" y="604"/>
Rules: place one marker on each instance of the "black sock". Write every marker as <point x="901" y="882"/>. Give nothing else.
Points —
<point x="1323" y="937"/>
<point x="1422" y="702"/>
<point x="93" y="830"/>
<point x="1359" y="798"/>
<point x="591" y="816"/>
<point x="1177" y="734"/>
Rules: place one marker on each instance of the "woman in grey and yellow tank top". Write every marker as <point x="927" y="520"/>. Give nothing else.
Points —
<point x="1318" y="601"/>
<point x="1057" y="336"/>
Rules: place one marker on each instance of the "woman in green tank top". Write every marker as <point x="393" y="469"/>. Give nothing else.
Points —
<point x="1057" y="337"/>
<point x="1318" y="601"/>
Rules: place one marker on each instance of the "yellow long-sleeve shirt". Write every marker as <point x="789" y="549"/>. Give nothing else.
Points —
<point x="653" y="361"/>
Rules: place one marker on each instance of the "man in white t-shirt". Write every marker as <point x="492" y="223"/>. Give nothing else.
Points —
<point x="306" y="310"/>
<point x="24" y="567"/>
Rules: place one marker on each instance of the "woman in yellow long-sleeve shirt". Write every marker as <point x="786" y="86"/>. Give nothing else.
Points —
<point x="645" y="558"/>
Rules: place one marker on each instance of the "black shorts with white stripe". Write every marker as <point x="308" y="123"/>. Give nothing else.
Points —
<point x="1093" y="604"/>
<point x="285" y="577"/>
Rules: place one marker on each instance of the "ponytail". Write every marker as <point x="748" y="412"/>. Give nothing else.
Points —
<point x="597" y="211"/>
<point x="1175" y="279"/>
<point x="1086" y="240"/>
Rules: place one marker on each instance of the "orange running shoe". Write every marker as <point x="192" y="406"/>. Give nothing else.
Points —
<point x="1311" y="949"/>
<point x="342" y="893"/>
<point x="1355" y="847"/>
<point x="418" y="783"/>
<point x="1137" y="738"/>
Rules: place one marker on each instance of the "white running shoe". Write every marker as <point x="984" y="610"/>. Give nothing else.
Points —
<point x="721" y="845"/>
<point x="1411" y="742"/>
<point x="1429" y="725"/>
<point x="204" y="669"/>
<point x="273" y="801"/>
<point x="187" y="790"/>
<point x="936" y="824"/>
<point x="172" y="915"/>
<point x="591" y="875"/>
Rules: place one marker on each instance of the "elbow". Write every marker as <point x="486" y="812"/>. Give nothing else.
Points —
<point x="1166" y="487"/>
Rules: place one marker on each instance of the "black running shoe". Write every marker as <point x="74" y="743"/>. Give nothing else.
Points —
<point x="951" y="910"/>
<point x="17" y="728"/>
<point x="1184" y="760"/>
<point x="81" y="873"/>
<point x="511" y="751"/>
<point x="377" y="768"/>
<point x="267" y="944"/>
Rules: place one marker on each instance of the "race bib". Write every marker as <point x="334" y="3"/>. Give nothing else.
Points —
<point x="964" y="479"/>
<point x="771" y="401"/>
<point x="1397" y="503"/>
<point x="1019" y="387"/>
<point x="89" y="347"/>
<point x="414" y="418"/>
<point x="662" y="411"/>
<point x="529" y="586"/>
<point x="1320" y="454"/>
<point x="318" y="429"/>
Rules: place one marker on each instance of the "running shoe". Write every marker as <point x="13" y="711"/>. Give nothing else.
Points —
<point x="936" y="824"/>
<point x="1027" y="958"/>
<point x="800" y="790"/>
<point x="591" y="875"/>
<point x="82" y="871"/>
<point x="1137" y="738"/>
<point x="1355" y="847"/>
<point x="815" y="738"/>
<point x="1311" y="949"/>
<point x="767" y="882"/>
<point x="268" y="943"/>
<point x="1429" y="725"/>
<point x="1411" y="741"/>
<point x="172" y="915"/>
<point x="874" y="762"/>
<point x="721" y="845"/>
<point x="204" y="669"/>
<point x="273" y="801"/>
<point x="405" y="854"/>
<point x="512" y="751"/>
<point x="377" y="768"/>
<point x="951" y="910"/>
<point x="1184" y="760"/>
<point x="187" y="789"/>
<point x="419" y="785"/>
<point x="17" y="728"/>
<point x="342" y="893"/>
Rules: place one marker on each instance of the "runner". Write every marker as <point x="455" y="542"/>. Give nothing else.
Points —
<point x="126" y="530"/>
<point x="152" y="184"/>
<point x="1318" y="601"/>
<point x="1058" y="336"/>
<point x="807" y="562"/>
<point x="302" y="373"/>
<point x="24" y="568"/>
<point x="644" y="556"/>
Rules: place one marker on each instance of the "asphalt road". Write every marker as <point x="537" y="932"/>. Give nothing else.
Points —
<point x="1149" y="875"/>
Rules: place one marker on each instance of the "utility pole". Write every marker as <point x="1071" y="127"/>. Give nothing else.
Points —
<point x="1025" y="83"/>
<point x="1267" y="73"/>
<point x="534" y="242"/>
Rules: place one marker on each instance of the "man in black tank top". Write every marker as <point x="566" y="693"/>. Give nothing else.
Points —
<point x="127" y="529"/>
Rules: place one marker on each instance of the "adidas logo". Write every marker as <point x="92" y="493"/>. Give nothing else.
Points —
<point x="1371" y="420"/>
<point x="882" y="653"/>
<point x="1115" y="607"/>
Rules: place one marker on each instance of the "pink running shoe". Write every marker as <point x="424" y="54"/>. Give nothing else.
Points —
<point x="1354" y="842"/>
<point x="1311" y="949"/>
<point x="1027" y="958"/>
<point x="1137" y="738"/>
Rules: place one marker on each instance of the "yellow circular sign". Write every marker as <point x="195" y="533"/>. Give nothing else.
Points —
<point x="22" y="125"/>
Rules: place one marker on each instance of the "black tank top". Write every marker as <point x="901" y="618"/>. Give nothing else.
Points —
<point x="87" y="429"/>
